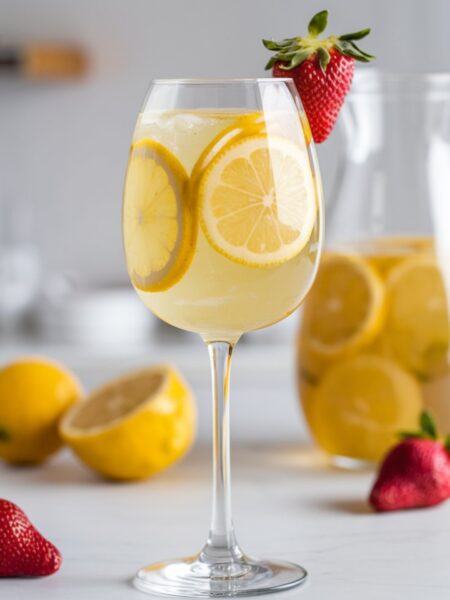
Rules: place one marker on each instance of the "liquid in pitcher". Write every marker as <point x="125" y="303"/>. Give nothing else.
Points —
<point x="373" y="346"/>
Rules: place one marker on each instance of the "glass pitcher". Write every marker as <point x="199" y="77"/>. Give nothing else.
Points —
<point x="373" y="348"/>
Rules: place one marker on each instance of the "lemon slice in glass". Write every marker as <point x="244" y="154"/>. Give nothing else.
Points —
<point x="158" y="222"/>
<point x="257" y="200"/>
<point x="244" y="125"/>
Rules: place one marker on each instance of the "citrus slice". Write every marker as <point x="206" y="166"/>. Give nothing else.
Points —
<point x="361" y="404"/>
<point x="417" y="327"/>
<point x="307" y="133"/>
<point x="158" y="222"/>
<point x="34" y="394"/>
<point x="135" y="425"/>
<point x="345" y="308"/>
<point x="246" y="124"/>
<point x="258" y="201"/>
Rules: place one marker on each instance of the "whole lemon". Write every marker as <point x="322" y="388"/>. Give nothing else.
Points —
<point x="34" y="393"/>
<point x="133" y="426"/>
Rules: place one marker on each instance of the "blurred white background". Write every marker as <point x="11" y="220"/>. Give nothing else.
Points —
<point x="63" y="146"/>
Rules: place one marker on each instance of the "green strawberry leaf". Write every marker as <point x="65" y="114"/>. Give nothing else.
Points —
<point x="428" y="426"/>
<point x="368" y="56"/>
<point x="351" y="49"/>
<point x="4" y="435"/>
<point x="291" y="52"/>
<point x="447" y="443"/>
<point x="271" y="62"/>
<point x="412" y="435"/>
<point x="271" y="45"/>
<point x="358" y="35"/>
<point x="318" y="23"/>
<point x="297" y="58"/>
<point x="427" y="429"/>
<point x="324" y="58"/>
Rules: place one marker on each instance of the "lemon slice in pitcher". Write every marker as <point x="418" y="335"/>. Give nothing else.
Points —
<point x="258" y="201"/>
<point x="361" y="404"/>
<point x="417" y="332"/>
<point x="346" y="307"/>
<point x="158" y="223"/>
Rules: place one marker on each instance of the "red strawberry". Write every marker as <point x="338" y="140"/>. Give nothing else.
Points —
<point x="322" y="70"/>
<point x="23" y="550"/>
<point x="415" y="473"/>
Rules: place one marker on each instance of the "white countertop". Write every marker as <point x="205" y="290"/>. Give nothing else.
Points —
<point x="286" y="503"/>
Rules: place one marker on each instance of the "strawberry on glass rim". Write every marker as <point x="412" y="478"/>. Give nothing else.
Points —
<point x="322" y="70"/>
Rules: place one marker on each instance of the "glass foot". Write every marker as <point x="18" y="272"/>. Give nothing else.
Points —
<point x="194" y="577"/>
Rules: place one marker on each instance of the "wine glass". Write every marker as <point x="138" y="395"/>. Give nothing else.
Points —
<point x="222" y="235"/>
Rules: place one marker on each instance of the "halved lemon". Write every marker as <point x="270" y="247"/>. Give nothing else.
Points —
<point x="257" y="200"/>
<point x="158" y="221"/>
<point x="361" y="404"/>
<point x="418" y="327"/>
<point x="133" y="426"/>
<point x="345" y="308"/>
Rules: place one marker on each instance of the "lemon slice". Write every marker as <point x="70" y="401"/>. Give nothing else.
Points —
<point x="135" y="425"/>
<point x="257" y="200"/>
<point x="417" y="330"/>
<point x="361" y="404"/>
<point x="158" y="223"/>
<point x="246" y="124"/>
<point x="346" y="306"/>
<point x="307" y="133"/>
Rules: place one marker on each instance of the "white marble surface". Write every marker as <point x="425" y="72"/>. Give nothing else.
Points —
<point x="286" y="503"/>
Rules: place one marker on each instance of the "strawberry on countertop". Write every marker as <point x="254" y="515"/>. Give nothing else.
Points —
<point x="415" y="473"/>
<point x="322" y="70"/>
<point x="23" y="550"/>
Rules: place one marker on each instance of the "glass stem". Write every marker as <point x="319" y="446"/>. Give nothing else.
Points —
<point x="221" y="546"/>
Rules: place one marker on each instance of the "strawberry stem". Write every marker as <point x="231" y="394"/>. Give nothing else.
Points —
<point x="291" y="52"/>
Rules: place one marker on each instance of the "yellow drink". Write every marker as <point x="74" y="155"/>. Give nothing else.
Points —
<point x="217" y="292"/>
<point x="373" y="349"/>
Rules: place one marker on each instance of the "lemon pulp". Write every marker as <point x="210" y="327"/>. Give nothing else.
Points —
<point x="158" y="223"/>
<point x="257" y="201"/>
<point x="134" y="426"/>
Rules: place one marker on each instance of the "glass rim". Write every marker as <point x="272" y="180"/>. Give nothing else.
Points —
<point x="220" y="80"/>
<point x="377" y="81"/>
